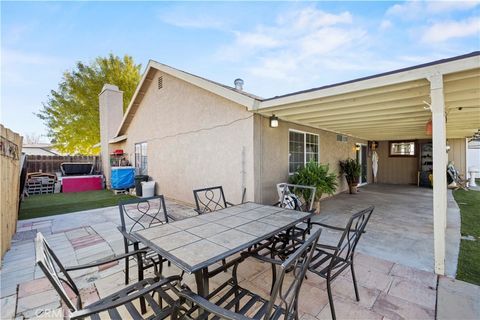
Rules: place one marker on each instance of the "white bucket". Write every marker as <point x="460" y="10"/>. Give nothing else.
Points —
<point x="148" y="189"/>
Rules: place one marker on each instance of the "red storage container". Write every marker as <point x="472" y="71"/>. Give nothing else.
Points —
<point x="82" y="183"/>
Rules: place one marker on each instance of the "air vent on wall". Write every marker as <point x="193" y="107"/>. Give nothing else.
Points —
<point x="342" y="138"/>
<point x="160" y="83"/>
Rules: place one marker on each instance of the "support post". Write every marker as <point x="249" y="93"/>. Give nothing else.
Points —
<point x="439" y="138"/>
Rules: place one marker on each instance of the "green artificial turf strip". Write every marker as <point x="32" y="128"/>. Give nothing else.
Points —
<point x="44" y="205"/>
<point x="469" y="258"/>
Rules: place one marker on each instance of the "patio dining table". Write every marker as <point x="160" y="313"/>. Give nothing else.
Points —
<point x="194" y="244"/>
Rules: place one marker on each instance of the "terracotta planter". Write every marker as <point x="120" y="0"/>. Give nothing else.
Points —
<point x="352" y="188"/>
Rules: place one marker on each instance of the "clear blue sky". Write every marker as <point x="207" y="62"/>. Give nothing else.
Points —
<point x="276" y="47"/>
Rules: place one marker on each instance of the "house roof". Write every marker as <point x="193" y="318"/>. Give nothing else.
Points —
<point x="419" y="66"/>
<point x="241" y="97"/>
<point x="37" y="145"/>
<point x="341" y="106"/>
<point x="39" y="149"/>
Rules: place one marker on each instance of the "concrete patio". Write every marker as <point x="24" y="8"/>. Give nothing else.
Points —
<point x="401" y="227"/>
<point x="392" y="283"/>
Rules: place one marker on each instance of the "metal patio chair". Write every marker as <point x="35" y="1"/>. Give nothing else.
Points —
<point x="330" y="261"/>
<point x="289" y="198"/>
<point x="210" y="199"/>
<point x="454" y="177"/>
<point x="231" y="301"/>
<point x="139" y="214"/>
<point x="145" y="290"/>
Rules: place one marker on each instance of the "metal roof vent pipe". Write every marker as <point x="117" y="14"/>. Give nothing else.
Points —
<point x="238" y="84"/>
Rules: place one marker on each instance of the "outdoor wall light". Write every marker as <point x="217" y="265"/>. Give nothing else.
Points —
<point x="273" y="121"/>
<point x="357" y="147"/>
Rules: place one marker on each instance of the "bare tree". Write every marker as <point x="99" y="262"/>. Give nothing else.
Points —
<point x="32" y="138"/>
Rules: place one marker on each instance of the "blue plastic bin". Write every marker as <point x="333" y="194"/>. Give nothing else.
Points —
<point x="122" y="177"/>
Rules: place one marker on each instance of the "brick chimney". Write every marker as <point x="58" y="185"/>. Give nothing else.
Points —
<point x="111" y="115"/>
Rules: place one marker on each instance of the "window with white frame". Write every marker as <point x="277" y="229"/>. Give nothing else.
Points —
<point x="141" y="160"/>
<point x="303" y="147"/>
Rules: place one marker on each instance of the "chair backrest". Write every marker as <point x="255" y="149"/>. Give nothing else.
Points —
<point x="297" y="265"/>
<point x="296" y="197"/>
<point x="209" y="199"/>
<point x="52" y="268"/>
<point x="142" y="213"/>
<point x="350" y="236"/>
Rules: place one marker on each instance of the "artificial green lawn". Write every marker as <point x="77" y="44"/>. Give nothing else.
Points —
<point x="52" y="204"/>
<point x="469" y="258"/>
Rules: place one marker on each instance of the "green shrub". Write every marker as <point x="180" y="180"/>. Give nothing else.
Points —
<point x="315" y="175"/>
<point x="351" y="169"/>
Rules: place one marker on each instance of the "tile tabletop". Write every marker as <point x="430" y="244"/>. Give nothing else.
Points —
<point x="197" y="242"/>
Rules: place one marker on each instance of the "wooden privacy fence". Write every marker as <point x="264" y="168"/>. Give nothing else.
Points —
<point x="10" y="151"/>
<point x="51" y="164"/>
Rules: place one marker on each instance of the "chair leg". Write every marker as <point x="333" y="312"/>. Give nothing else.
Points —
<point x="160" y="267"/>
<point x="354" y="282"/>
<point x="224" y="262"/>
<point x="330" y="299"/>
<point x="160" y="300"/>
<point x="274" y="277"/>
<point x="127" y="270"/>
<point x="237" y="304"/>
<point x="143" y="307"/>
<point x="127" y="262"/>
<point x="296" y="310"/>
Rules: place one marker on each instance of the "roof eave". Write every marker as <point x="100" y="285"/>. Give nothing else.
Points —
<point x="118" y="139"/>
<point x="470" y="61"/>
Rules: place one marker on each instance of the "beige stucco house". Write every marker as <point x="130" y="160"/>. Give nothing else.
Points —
<point x="191" y="133"/>
<point x="187" y="132"/>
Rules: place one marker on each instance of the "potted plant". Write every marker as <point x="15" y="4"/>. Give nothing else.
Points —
<point x="318" y="176"/>
<point x="351" y="169"/>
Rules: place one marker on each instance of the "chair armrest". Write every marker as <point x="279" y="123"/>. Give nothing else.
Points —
<point x="127" y="235"/>
<point x="322" y="246"/>
<point x="332" y="227"/>
<point x="211" y="307"/>
<point x="103" y="305"/>
<point x="261" y="258"/>
<point x="104" y="261"/>
<point x="327" y="226"/>
<point x="325" y="246"/>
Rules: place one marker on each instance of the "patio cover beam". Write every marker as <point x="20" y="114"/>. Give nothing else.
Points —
<point x="447" y="66"/>
<point x="396" y="103"/>
<point x="380" y="95"/>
